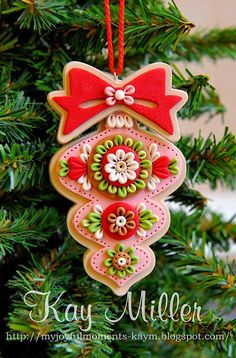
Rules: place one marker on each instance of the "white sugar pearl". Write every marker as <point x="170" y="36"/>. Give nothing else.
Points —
<point x="121" y="261"/>
<point x="119" y="94"/>
<point x="120" y="221"/>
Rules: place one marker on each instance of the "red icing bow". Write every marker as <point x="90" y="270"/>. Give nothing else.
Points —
<point x="90" y="93"/>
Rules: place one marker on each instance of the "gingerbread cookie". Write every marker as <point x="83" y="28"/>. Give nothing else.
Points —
<point x="119" y="175"/>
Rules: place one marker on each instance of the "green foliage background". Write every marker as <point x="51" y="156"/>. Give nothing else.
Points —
<point x="37" y="38"/>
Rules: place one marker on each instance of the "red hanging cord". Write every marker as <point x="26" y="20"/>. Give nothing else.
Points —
<point x="120" y="38"/>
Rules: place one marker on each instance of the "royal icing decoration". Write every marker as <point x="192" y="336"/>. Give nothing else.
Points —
<point x="119" y="175"/>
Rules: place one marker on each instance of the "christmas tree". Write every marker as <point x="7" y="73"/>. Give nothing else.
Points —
<point x="36" y="251"/>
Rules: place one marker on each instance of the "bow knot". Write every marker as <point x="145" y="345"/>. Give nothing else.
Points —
<point x="120" y="94"/>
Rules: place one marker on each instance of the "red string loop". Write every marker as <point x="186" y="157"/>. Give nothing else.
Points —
<point x="111" y="59"/>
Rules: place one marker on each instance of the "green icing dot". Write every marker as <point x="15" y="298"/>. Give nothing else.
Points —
<point x="100" y="149"/>
<point x="122" y="192"/>
<point x="103" y="185"/>
<point x="118" y="140"/>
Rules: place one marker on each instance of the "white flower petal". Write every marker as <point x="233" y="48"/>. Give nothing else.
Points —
<point x="151" y="185"/>
<point x="109" y="91"/>
<point x="120" y="154"/>
<point x="114" y="176"/>
<point x="111" y="158"/>
<point x="154" y="154"/>
<point x="129" y="89"/>
<point x="84" y="157"/>
<point x="141" y="207"/>
<point x="98" y="209"/>
<point x="131" y="175"/>
<point x="141" y="232"/>
<point x="110" y="168"/>
<point x="122" y="178"/>
<point x="128" y="121"/>
<point x="86" y="149"/>
<point x="110" y="101"/>
<point x="99" y="234"/>
<point x="119" y="121"/>
<point x="133" y="165"/>
<point x="111" y="121"/>
<point x="86" y="185"/>
<point x="128" y="100"/>
<point x="129" y="157"/>
<point x="155" y="179"/>
<point x="82" y="179"/>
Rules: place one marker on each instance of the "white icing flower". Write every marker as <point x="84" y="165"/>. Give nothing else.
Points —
<point x="120" y="95"/>
<point x="84" y="156"/>
<point x="121" y="166"/>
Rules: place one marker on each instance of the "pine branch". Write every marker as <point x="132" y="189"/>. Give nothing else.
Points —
<point x="29" y="227"/>
<point x="184" y="249"/>
<point x="215" y="43"/>
<point x="209" y="160"/>
<point x="188" y="197"/>
<point x="24" y="165"/>
<point x="202" y="95"/>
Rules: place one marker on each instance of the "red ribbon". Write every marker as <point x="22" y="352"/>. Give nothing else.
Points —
<point x="86" y="98"/>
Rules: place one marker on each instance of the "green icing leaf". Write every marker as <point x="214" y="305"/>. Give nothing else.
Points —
<point x="97" y="157"/>
<point x="85" y="223"/>
<point x="108" y="262"/>
<point x="108" y="144"/>
<point x="130" y="270"/>
<point x="94" y="217"/>
<point x="103" y="185"/>
<point x="143" y="174"/>
<point x="146" y="225"/>
<point x="100" y="149"/>
<point x="112" y="271"/>
<point x="142" y="154"/>
<point x="98" y="176"/>
<point x="112" y="189"/>
<point x="121" y="274"/>
<point x="111" y="252"/>
<point x="118" y="140"/>
<point x="95" y="166"/>
<point x="145" y="214"/>
<point x="94" y="227"/>
<point x="137" y="146"/>
<point x="131" y="188"/>
<point x="129" y="142"/>
<point x="134" y="260"/>
<point x="140" y="184"/>
<point x="146" y="164"/>
<point x="122" y="192"/>
<point x="120" y="247"/>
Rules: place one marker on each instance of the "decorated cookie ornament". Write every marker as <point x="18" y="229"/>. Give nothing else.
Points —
<point x="118" y="175"/>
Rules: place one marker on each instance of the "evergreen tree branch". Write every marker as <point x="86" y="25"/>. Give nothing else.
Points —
<point x="209" y="160"/>
<point x="24" y="165"/>
<point x="28" y="228"/>
<point x="215" y="44"/>
<point x="183" y="247"/>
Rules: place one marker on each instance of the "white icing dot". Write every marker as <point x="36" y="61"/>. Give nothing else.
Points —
<point x="119" y="94"/>
<point x="121" y="261"/>
<point x="120" y="221"/>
